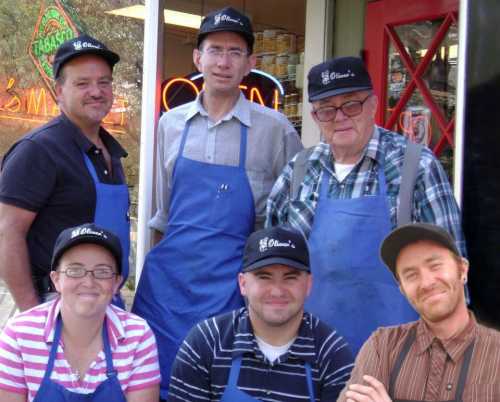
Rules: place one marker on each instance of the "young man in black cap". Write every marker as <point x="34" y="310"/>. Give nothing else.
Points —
<point x="445" y="355"/>
<point x="271" y="349"/>
<point x="346" y="193"/>
<point x="218" y="158"/>
<point x="62" y="174"/>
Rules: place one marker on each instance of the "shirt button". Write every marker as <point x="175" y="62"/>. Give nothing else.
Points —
<point x="448" y="387"/>
<point x="105" y="172"/>
<point x="96" y="151"/>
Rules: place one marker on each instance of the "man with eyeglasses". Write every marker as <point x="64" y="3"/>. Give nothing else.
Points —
<point x="218" y="158"/>
<point x="348" y="192"/>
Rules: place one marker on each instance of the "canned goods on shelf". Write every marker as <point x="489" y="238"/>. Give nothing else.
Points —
<point x="282" y="66"/>
<point x="286" y="43"/>
<point x="258" y="44"/>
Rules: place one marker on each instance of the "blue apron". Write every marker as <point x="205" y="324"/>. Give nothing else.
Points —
<point x="111" y="213"/>
<point x="353" y="291"/>
<point x="107" y="391"/>
<point x="191" y="274"/>
<point x="233" y="394"/>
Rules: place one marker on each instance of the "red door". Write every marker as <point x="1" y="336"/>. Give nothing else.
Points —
<point x="411" y="54"/>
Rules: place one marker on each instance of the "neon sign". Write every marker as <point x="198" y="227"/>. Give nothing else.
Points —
<point x="36" y="106"/>
<point x="52" y="29"/>
<point x="258" y="87"/>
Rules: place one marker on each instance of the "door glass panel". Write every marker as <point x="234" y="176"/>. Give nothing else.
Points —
<point x="416" y="119"/>
<point x="417" y="37"/>
<point x="441" y="73"/>
<point x="397" y="77"/>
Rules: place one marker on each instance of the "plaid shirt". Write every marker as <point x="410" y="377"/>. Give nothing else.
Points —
<point x="433" y="199"/>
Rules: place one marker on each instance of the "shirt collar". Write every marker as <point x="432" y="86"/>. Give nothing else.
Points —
<point x="454" y="347"/>
<point x="303" y="348"/>
<point x="115" y="320"/>
<point x="241" y="110"/>
<point x="113" y="146"/>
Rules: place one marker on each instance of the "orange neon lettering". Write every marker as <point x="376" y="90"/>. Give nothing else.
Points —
<point x="276" y="99"/>
<point x="36" y="105"/>
<point x="33" y="105"/>
<point x="165" y="90"/>
<point x="254" y="92"/>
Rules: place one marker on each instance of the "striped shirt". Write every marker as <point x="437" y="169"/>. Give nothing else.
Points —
<point x="201" y="369"/>
<point x="433" y="199"/>
<point x="424" y="374"/>
<point x="27" y="339"/>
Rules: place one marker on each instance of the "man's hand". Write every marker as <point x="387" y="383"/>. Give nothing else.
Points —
<point x="372" y="391"/>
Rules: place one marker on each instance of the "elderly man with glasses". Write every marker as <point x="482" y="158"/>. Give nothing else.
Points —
<point x="348" y="192"/>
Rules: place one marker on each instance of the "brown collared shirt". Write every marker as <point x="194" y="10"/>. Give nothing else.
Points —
<point x="431" y="369"/>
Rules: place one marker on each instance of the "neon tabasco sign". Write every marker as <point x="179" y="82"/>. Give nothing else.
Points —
<point x="53" y="27"/>
<point x="257" y="86"/>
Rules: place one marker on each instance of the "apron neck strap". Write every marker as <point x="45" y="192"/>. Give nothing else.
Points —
<point x="463" y="372"/>
<point x="184" y="136"/>
<point x="235" y="372"/>
<point x="53" y="349"/>
<point x="399" y="361"/>
<point x="309" y="382"/>
<point x="90" y="167"/>
<point x="110" y="370"/>
<point x="243" y="145"/>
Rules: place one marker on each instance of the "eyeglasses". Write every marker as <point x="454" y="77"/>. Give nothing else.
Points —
<point x="217" y="53"/>
<point x="80" y="272"/>
<point x="350" y="109"/>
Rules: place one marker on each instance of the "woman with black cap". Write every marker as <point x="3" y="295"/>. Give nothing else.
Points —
<point x="79" y="347"/>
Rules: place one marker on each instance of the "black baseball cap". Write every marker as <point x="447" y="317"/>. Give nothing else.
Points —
<point x="411" y="233"/>
<point x="337" y="76"/>
<point x="276" y="245"/>
<point x="84" y="234"/>
<point x="227" y="19"/>
<point x="83" y="44"/>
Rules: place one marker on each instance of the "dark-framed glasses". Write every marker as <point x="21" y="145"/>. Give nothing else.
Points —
<point x="350" y="108"/>
<point x="218" y="52"/>
<point x="80" y="272"/>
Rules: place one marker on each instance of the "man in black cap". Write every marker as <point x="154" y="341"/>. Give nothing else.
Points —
<point x="271" y="349"/>
<point x="445" y="355"/>
<point x="218" y="158"/>
<point x="346" y="193"/>
<point x="63" y="174"/>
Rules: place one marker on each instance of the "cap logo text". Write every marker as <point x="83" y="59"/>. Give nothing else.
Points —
<point x="87" y="231"/>
<point x="327" y="76"/>
<point x="225" y="18"/>
<point x="267" y="243"/>
<point x="78" y="45"/>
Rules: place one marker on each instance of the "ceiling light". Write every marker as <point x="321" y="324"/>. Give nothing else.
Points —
<point x="171" y="17"/>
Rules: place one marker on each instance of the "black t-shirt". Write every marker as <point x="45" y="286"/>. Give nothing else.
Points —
<point x="45" y="172"/>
